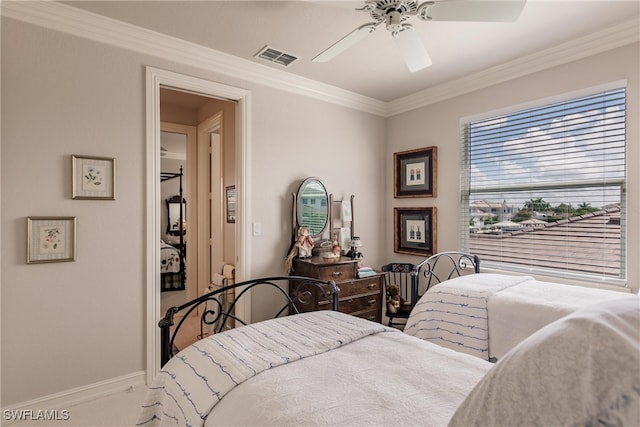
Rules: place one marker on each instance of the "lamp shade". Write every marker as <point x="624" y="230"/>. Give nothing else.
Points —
<point x="356" y="242"/>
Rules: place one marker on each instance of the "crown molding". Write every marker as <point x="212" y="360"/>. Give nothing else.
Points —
<point x="71" y="20"/>
<point x="598" y="42"/>
<point x="77" y="22"/>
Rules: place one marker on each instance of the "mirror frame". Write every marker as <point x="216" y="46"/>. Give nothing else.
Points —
<point x="297" y="210"/>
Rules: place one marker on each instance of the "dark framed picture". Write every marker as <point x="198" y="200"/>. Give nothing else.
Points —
<point x="93" y="178"/>
<point x="415" y="231"/>
<point x="415" y="173"/>
<point x="51" y="239"/>
<point x="231" y="204"/>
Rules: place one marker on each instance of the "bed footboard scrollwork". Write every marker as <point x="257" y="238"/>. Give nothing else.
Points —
<point x="219" y="307"/>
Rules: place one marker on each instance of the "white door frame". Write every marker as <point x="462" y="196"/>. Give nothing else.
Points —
<point x="155" y="78"/>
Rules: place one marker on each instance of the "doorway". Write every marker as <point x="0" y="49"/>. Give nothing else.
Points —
<point x="194" y="146"/>
<point x="239" y="98"/>
<point x="177" y="147"/>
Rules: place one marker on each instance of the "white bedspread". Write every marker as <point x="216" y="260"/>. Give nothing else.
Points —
<point x="486" y="315"/>
<point x="454" y="313"/>
<point x="386" y="379"/>
<point x="517" y="312"/>
<point x="314" y="368"/>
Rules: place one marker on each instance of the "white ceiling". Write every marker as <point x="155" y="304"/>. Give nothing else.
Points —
<point x="373" y="67"/>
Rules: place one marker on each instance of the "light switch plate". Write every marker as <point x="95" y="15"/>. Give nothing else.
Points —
<point x="257" y="229"/>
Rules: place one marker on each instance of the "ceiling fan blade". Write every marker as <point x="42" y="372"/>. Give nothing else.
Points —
<point x="346" y="42"/>
<point x="413" y="51"/>
<point x="473" y="10"/>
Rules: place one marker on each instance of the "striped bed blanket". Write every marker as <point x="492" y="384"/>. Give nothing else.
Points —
<point x="486" y="315"/>
<point x="196" y="379"/>
<point x="454" y="314"/>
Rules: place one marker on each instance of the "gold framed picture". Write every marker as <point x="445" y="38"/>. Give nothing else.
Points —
<point x="93" y="178"/>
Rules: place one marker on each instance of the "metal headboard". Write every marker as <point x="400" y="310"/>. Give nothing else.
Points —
<point x="443" y="266"/>
<point x="217" y="310"/>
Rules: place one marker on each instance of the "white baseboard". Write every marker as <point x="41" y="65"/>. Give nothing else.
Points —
<point x="74" y="396"/>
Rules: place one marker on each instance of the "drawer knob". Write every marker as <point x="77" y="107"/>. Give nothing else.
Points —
<point x="372" y="301"/>
<point x="336" y="274"/>
<point x="372" y="285"/>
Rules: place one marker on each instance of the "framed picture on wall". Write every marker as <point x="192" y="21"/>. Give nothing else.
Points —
<point x="51" y="239"/>
<point x="415" y="231"/>
<point x="231" y="204"/>
<point x="415" y="173"/>
<point x="93" y="178"/>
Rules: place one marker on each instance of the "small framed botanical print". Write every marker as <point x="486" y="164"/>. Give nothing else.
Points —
<point x="415" y="231"/>
<point x="415" y="173"/>
<point x="93" y="178"/>
<point x="51" y="239"/>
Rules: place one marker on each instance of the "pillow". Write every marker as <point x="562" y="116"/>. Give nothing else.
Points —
<point x="583" y="369"/>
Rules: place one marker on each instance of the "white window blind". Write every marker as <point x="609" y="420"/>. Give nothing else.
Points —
<point x="544" y="188"/>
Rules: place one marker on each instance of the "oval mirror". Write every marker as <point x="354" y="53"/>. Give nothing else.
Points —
<point x="313" y="206"/>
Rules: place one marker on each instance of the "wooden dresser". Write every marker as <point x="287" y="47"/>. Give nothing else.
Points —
<point x="358" y="297"/>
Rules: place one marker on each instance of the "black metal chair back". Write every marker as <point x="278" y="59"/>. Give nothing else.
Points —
<point x="400" y="275"/>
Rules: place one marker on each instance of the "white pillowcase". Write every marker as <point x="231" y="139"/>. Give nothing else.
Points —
<point x="583" y="369"/>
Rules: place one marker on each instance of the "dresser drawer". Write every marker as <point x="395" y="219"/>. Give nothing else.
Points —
<point x="367" y="285"/>
<point x="366" y="303"/>
<point x="337" y="272"/>
<point x="325" y="269"/>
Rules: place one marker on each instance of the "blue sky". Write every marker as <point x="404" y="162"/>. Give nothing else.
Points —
<point x="582" y="140"/>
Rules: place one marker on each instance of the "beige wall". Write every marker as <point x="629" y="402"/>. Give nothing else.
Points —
<point x="439" y="124"/>
<point x="62" y="95"/>
<point x="68" y="325"/>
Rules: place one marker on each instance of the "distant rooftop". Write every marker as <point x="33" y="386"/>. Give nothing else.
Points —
<point x="594" y="245"/>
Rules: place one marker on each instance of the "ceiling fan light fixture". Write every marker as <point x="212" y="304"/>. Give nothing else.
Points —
<point x="411" y="48"/>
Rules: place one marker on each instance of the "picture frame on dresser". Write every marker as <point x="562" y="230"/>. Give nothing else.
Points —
<point x="93" y="178"/>
<point x="51" y="239"/>
<point x="415" y="231"/>
<point x="415" y="173"/>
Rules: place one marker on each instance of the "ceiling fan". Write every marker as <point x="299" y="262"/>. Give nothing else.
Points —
<point x="395" y="13"/>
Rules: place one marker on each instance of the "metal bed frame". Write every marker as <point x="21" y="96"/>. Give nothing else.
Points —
<point x="440" y="267"/>
<point x="218" y="311"/>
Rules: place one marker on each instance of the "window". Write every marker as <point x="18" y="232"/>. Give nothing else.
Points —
<point x="543" y="189"/>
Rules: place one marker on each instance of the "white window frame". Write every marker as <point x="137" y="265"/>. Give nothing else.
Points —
<point x="564" y="275"/>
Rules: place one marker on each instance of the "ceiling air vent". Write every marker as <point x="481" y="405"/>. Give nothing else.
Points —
<point x="277" y="56"/>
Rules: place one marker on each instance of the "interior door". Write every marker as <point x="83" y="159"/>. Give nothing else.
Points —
<point x="210" y="202"/>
